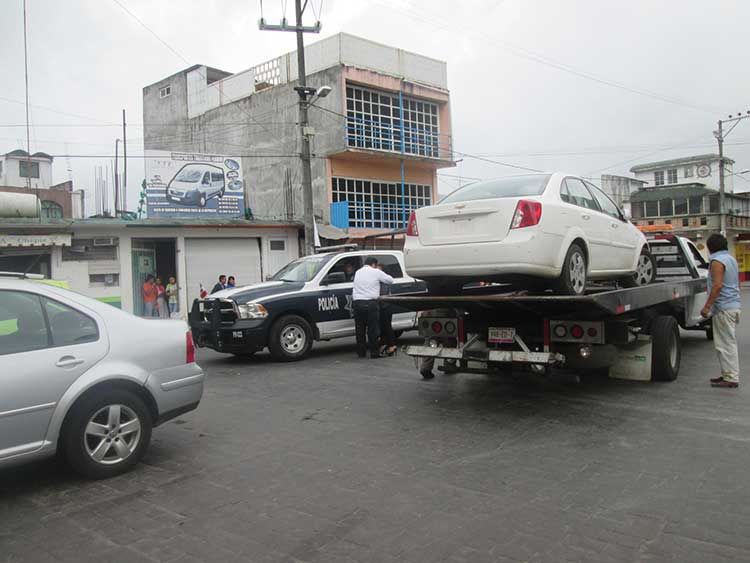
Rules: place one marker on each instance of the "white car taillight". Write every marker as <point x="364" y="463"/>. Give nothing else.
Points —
<point x="411" y="228"/>
<point x="189" y="348"/>
<point x="528" y="213"/>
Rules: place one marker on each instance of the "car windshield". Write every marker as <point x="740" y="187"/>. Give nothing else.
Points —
<point x="302" y="270"/>
<point x="191" y="176"/>
<point x="515" y="186"/>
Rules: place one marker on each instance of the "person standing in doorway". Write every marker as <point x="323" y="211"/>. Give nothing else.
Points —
<point x="172" y="295"/>
<point x="365" y="295"/>
<point x="723" y="307"/>
<point x="230" y="282"/>
<point x="161" y="299"/>
<point x="222" y="284"/>
<point x="149" y="293"/>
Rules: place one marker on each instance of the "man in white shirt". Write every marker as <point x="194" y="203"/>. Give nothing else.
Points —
<point x="365" y="295"/>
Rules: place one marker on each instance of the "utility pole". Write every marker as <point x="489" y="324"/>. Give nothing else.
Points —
<point x="305" y="131"/>
<point x="124" y="165"/>
<point x="116" y="176"/>
<point x="720" y="136"/>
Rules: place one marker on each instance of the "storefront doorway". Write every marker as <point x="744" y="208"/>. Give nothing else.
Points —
<point x="25" y="260"/>
<point x="155" y="257"/>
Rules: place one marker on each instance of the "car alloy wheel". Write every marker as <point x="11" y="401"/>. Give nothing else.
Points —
<point x="644" y="272"/>
<point x="577" y="272"/>
<point x="112" y="434"/>
<point x="293" y="339"/>
<point x="203" y="201"/>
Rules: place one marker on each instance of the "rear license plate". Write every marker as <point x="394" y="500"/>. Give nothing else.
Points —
<point x="237" y="334"/>
<point x="501" y="335"/>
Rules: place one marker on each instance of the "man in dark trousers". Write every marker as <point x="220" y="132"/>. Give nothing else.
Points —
<point x="365" y="295"/>
<point x="221" y="285"/>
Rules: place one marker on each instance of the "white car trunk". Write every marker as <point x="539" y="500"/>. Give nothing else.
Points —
<point x="486" y="220"/>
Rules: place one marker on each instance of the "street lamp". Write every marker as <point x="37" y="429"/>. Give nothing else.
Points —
<point x="720" y="136"/>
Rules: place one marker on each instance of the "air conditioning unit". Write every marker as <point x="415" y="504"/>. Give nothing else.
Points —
<point x="104" y="241"/>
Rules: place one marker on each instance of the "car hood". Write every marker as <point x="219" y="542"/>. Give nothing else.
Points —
<point x="248" y="293"/>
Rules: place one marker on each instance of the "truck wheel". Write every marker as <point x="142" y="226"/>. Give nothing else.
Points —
<point x="202" y="201"/>
<point x="106" y="434"/>
<point x="645" y="272"/>
<point x="665" y="349"/>
<point x="290" y="339"/>
<point x="572" y="280"/>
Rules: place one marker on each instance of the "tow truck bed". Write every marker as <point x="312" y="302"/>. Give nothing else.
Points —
<point x="597" y="304"/>
<point x="632" y="333"/>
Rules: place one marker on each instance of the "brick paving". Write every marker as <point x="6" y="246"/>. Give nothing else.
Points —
<point x="337" y="459"/>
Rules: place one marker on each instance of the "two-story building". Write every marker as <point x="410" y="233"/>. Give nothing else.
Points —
<point x="379" y="137"/>
<point x="684" y="193"/>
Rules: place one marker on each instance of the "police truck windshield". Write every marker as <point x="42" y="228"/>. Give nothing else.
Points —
<point x="302" y="270"/>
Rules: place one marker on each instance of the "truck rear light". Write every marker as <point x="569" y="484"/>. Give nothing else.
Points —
<point x="437" y="327"/>
<point x="450" y="327"/>
<point x="592" y="332"/>
<point x="528" y="213"/>
<point x="189" y="348"/>
<point x="576" y="331"/>
<point x="412" y="230"/>
<point x="561" y="331"/>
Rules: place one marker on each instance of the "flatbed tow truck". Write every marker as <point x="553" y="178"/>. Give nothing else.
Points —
<point x="626" y="333"/>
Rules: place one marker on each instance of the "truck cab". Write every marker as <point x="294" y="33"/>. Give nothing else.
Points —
<point x="308" y="299"/>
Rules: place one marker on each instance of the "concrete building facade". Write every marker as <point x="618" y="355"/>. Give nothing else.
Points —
<point x="108" y="259"/>
<point x="684" y="193"/>
<point x="19" y="170"/>
<point x="379" y="137"/>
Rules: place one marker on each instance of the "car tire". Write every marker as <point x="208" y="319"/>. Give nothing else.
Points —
<point x="202" y="201"/>
<point x="290" y="339"/>
<point x="572" y="280"/>
<point x="645" y="273"/>
<point x="665" y="349"/>
<point x="83" y="439"/>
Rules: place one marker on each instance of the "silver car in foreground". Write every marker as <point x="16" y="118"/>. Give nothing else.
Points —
<point x="86" y="380"/>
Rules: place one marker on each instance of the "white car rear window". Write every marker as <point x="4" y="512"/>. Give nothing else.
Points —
<point x="516" y="186"/>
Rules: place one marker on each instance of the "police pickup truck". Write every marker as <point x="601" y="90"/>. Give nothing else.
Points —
<point x="308" y="299"/>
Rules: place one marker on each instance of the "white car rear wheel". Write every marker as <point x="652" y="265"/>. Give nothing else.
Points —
<point x="574" y="275"/>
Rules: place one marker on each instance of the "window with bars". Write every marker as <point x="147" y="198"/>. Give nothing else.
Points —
<point x="374" y="120"/>
<point x="24" y="166"/>
<point x="380" y="205"/>
<point x="659" y="178"/>
<point x="672" y="176"/>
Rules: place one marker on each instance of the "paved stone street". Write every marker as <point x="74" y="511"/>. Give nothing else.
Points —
<point x="337" y="459"/>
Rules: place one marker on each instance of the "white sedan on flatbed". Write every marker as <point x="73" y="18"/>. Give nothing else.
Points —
<point x="555" y="228"/>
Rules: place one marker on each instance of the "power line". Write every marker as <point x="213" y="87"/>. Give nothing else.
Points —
<point x="173" y="50"/>
<point x="526" y="54"/>
<point x="453" y="152"/>
<point x="53" y="110"/>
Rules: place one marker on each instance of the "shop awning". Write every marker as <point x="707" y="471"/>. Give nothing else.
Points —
<point x="60" y="239"/>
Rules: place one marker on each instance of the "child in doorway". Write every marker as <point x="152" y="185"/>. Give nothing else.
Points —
<point x="172" y="295"/>
<point x="161" y="299"/>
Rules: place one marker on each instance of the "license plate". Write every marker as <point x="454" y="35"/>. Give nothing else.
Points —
<point x="237" y="334"/>
<point x="501" y="335"/>
<point x="201" y="307"/>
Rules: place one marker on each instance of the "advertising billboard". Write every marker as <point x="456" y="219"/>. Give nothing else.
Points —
<point x="183" y="184"/>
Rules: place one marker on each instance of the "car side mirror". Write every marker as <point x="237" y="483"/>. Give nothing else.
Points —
<point x="334" y="277"/>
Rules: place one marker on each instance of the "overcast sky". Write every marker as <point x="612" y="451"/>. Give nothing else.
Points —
<point x="643" y="80"/>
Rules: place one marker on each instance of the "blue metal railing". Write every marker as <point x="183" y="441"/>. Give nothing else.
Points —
<point x="345" y="214"/>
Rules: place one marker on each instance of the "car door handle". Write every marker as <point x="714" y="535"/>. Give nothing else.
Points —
<point x="585" y="216"/>
<point x="615" y="226"/>
<point x="69" y="362"/>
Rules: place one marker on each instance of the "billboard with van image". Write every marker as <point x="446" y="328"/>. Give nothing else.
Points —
<point x="180" y="184"/>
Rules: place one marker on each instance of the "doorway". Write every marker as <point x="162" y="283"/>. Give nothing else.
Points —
<point x="155" y="257"/>
<point x="25" y="260"/>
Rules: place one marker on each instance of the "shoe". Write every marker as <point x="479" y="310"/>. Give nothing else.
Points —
<point x="717" y="379"/>
<point x="427" y="374"/>
<point x="726" y="384"/>
<point x="390" y="351"/>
